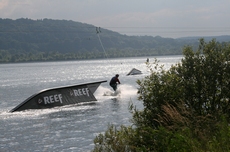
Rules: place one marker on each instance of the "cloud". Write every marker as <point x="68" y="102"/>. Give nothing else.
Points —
<point x="3" y="4"/>
<point x="128" y="17"/>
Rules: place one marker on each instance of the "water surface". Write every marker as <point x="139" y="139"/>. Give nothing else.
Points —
<point x="73" y="127"/>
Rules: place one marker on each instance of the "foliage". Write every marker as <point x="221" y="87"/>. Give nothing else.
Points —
<point x="24" y="40"/>
<point x="200" y="83"/>
<point x="186" y="108"/>
<point x="114" y="140"/>
<point x="8" y="57"/>
<point x="148" y="139"/>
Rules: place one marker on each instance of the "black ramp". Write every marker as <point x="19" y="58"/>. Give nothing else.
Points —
<point x="60" y="96"/>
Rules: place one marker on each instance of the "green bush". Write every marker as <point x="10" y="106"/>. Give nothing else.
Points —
<point x="186" y="108"/>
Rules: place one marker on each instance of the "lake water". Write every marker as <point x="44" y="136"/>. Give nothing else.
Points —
<point x="73" y="127"/>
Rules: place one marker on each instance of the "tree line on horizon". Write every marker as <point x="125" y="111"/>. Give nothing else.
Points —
<point x="26" y="40"/>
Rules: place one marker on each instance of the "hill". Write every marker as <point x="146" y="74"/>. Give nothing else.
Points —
<point x="24" y="40"/>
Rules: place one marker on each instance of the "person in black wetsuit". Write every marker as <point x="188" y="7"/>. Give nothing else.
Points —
<point x="114" y="81"/>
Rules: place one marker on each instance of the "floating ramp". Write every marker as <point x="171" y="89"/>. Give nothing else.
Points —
<point x="134" y="72"/>
<point x="60" y="96"/>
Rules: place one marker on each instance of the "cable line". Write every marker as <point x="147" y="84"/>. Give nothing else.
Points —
<point x="98" y="30"/>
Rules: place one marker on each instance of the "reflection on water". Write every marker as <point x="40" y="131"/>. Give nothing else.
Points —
<point x="115" y="105"/>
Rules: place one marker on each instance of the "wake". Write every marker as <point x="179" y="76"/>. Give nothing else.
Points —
<point x="123" y="91"/>
<point x="112" y="93"/>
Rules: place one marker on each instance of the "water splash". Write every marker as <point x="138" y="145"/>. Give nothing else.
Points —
<point x="123" y="91"/>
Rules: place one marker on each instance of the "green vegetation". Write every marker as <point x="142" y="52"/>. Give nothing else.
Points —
<point x="26" y="40"/>
<point x="7" y="56"/>
<point x="186" y="108"/>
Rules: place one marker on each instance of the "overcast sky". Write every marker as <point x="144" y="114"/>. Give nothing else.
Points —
<point x="166" y="18"/>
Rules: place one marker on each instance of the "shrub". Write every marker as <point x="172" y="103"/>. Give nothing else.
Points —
<point x="186" y="108"/>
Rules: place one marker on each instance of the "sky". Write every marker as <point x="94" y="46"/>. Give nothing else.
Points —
<point x="165" y="18"/>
